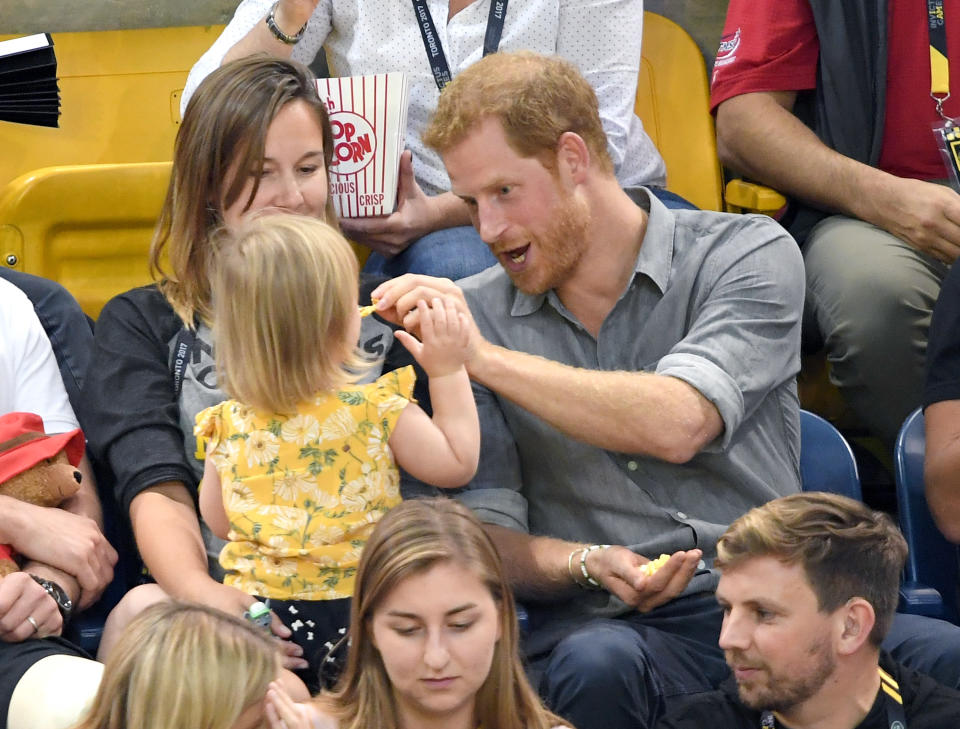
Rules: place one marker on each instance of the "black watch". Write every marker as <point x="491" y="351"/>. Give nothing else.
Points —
<point x="64" y="603"/>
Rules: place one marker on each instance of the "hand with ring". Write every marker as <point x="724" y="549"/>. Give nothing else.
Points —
<point x="26" y="610"/>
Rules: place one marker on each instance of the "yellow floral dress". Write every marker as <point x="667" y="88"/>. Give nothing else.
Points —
<point x="303" y="493"/>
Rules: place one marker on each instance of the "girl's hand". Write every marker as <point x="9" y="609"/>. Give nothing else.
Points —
<point x="285" y="713"/>
<point x="445" y="337"/>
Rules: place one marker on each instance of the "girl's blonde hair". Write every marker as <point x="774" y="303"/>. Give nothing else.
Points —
<point x="285" y="293"/>
<point x="409" y="540"/>
<point x="222" y="136"/>
<point x="183" y="666"/>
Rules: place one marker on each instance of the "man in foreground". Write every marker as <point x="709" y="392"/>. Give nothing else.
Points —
<point x="808" y="589"/>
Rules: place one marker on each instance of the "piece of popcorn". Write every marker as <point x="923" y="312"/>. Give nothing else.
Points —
<point x="650" y="567"/>
<point x="368" y="310"/>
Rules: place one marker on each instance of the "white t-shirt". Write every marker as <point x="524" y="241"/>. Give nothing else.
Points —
<point x="602" y="37"/>
<point x="29" y="377"/>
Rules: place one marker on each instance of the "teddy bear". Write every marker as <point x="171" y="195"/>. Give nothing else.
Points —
<point x="36" y="468"/>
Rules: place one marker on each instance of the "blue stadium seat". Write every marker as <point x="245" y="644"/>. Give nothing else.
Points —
<point x="827" y="462"/>
<point x="930" y="576"/>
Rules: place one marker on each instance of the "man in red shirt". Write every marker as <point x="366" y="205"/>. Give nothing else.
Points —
<point x="831" y="104"/>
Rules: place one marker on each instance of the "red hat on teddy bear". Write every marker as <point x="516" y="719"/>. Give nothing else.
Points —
<point x="23" y="444"/>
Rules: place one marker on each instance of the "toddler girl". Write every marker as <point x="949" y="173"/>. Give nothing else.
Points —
<point x="301" y="462"/>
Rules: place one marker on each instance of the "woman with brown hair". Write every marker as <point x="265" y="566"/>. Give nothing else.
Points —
<point x="433" y="636"/>
<point x="255" y="138"/>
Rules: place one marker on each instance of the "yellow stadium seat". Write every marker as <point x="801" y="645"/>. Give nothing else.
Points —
<point x="120" y="99"/>
<point x="86" y="226"/>
<point x="673" y="100"/>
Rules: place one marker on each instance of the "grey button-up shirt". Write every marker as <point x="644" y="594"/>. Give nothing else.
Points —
<point x="715" y="300"/>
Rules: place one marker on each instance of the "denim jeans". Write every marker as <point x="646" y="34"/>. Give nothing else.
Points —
<point x="617" y="673"/>
<point x="450" y="253"/>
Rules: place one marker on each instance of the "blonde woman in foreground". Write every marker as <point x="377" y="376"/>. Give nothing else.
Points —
<point x="186" y="666"/>
<point x="433" y="634"/>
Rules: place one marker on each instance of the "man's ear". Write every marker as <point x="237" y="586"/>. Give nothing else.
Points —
<point x="858" y="619"/>
<point x="573" y="156"/>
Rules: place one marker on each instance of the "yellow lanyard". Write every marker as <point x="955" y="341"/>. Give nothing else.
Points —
<point x="939" y="64"/>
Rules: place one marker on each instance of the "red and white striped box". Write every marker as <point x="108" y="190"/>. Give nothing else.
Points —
<point x="369" y="118"/>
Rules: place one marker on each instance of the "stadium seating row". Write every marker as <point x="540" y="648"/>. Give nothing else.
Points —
<point x="79" y="202"/>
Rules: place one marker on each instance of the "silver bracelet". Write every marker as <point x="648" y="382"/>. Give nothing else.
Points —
<point x="279" y="34"/>
<point x="583" y="564"/>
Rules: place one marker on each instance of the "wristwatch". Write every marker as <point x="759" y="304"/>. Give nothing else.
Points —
<point x="64" y="603"/>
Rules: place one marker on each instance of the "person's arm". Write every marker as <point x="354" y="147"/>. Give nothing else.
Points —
<point x="941" y="396"/>
<point x="167" y="532"/>
<point x="603" y="38"/>
<point x="758" y="135"/>
<point x="444" y="450"/>
<point x="290" y="16"/>
<point x="540" y="568"/>
<point x="85" y="503"/>
<point x="211" y="501"/>
<point x="629" y="412"/>
<point x="941" y="467"/>
<point x="135" y="429"/>
<point x="67" y="548"/>
<point x="247" y="34"/>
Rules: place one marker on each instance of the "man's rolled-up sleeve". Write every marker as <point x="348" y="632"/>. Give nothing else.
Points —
<point x="744" y="336"/>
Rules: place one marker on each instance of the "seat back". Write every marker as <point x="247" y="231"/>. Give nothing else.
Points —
<point x="673" y="101"/>
<point x="88" y="227"/>
<point x="932" y="561"/>
<point x="827" y="462"/>
<point x="120" y="99"/>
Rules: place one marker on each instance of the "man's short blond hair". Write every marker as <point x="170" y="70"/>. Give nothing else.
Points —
<point x="536" y="99"/>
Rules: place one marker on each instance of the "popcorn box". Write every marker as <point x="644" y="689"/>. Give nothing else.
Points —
<point x="368" y="115"/>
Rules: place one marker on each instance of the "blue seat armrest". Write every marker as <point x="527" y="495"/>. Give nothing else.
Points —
<point x="918" y="599"/>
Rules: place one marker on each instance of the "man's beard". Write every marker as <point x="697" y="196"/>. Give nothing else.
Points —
<point x="558" y="249"/>
<point x="783" y="692"/>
